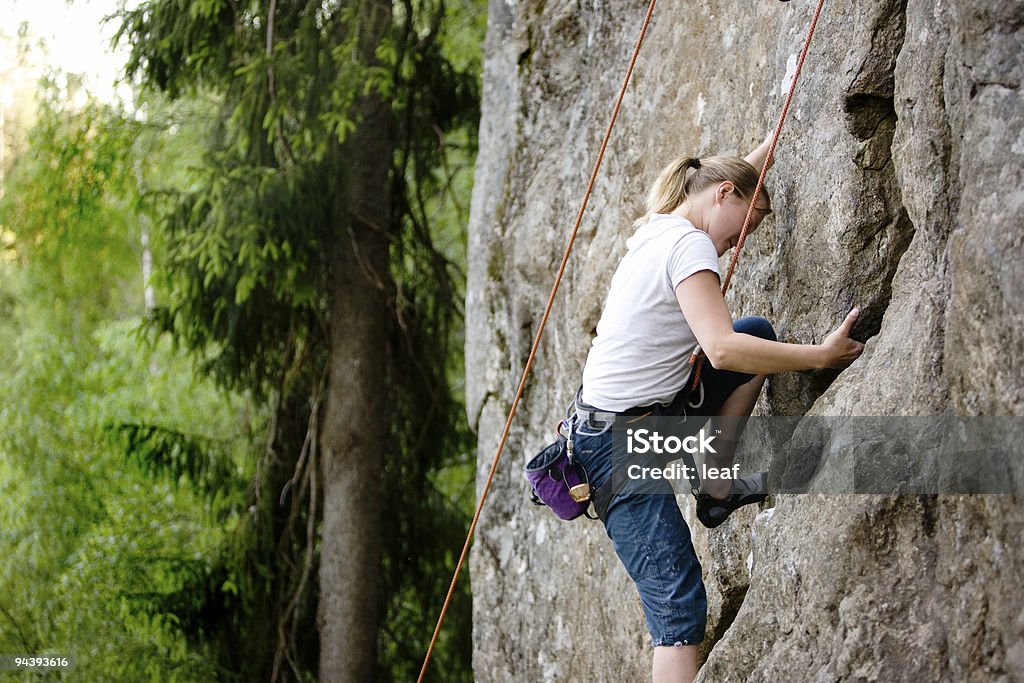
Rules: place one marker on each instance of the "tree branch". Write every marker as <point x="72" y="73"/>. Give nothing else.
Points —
<point x="271" y="89"/>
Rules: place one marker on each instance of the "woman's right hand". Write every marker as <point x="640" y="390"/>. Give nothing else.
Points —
<point x="839" y="350"/>
<point x="757" y="157"/>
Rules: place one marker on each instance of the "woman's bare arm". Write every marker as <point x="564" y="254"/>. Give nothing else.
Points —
<point x="704" y="307"/>
<point x="756" y="158"/>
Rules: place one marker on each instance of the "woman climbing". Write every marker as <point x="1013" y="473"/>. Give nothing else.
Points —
<point x="664" y="300"/>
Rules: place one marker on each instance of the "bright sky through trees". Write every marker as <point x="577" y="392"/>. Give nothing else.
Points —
<point x="76" y="40"/>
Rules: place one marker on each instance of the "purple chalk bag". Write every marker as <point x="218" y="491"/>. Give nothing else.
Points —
<point x="557" y="480"/>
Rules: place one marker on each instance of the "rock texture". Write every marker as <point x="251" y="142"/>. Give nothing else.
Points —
<point x="897" y="187"/>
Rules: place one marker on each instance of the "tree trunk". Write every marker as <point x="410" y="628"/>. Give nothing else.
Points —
<point x="356" y="414"/>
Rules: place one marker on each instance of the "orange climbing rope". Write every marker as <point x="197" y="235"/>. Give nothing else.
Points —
<point x="558" y="280"/>
<point x="698" y="357"/>
<point x="540" y="331"/>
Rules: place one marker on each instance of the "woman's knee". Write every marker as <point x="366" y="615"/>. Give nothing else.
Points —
<point x="756" y="326"/>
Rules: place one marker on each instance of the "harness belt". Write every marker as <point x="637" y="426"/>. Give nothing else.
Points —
<point x="601" y="496"/>
<point x="585" y="411"/>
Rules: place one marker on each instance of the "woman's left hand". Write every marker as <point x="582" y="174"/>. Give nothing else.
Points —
<point x="839" y="349"/>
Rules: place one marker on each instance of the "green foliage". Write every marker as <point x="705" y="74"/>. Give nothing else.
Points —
<point x="202" y="462"/>
<point x="243" y="268"/>
<point x="100" y="559"/>
<point x="245" y="288"/>
<point x="157" y="526"/>
<point x="69" y="206"/>
<point x="246" y="279"/>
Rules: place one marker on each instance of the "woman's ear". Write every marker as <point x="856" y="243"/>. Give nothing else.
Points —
<point x="724" y="188"/>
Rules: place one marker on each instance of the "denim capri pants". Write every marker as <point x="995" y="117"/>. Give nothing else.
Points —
<point x="647" y="530"/>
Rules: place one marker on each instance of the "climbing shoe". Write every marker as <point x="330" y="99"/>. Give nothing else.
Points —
<point x="745" y="491"/>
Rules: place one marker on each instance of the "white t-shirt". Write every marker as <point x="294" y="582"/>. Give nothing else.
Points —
<point x="641" y="353"/>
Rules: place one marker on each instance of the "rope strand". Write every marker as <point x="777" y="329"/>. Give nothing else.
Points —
<point x="537" y="337"/>
<point x="698" y="357"/>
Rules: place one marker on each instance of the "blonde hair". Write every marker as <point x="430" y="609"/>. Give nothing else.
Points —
<point x="675" y="183"/>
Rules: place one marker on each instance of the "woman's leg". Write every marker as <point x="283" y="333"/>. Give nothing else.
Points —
<point x="732" y="396"/>
<point x="736" y="409"/>
<point x="653" y="542"/>
<point x="674" y="664"/>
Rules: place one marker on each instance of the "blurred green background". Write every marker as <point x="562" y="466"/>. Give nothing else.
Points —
<point x="164" y="317"/>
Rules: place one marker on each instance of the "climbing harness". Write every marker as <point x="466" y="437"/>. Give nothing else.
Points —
<point x="558" y="280"/>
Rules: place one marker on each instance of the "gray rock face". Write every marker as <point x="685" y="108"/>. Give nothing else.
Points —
<point x="897" y="187"/>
